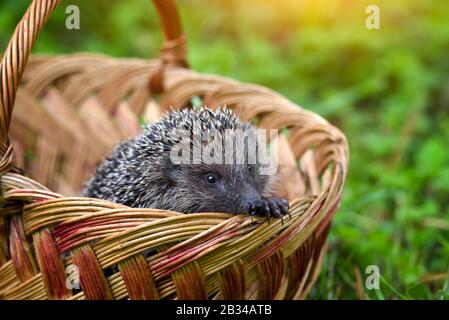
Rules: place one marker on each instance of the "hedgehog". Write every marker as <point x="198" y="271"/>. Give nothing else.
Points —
<point x="147" y="171"/>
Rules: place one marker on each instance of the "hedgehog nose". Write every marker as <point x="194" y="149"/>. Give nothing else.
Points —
<point x="252" y="202"/>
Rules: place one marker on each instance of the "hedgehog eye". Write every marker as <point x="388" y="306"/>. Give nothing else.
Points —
<point x="211" y="178"/>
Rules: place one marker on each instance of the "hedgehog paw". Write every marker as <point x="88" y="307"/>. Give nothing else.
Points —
<point x="274" y="207"/>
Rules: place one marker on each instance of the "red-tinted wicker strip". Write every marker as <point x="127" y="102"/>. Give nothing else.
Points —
<point x="50" y="264"/>
<point x="190" y="283"/>
<point x="232" y="282"/>
<point x="269" y="272"/>
<point x="138" y="278"/>
<point x="21" y="255"/>
<point x="297" y="263"/>
<point x="92" y="280"/>
<point x="315" y="257"/>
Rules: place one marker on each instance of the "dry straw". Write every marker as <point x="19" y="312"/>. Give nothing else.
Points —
<point x="71" y="110"/>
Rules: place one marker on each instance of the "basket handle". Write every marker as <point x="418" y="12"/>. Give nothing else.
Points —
<point x="16" y="55"/>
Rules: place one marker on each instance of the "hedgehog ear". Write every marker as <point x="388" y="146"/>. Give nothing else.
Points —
<point x="171" y="170"/>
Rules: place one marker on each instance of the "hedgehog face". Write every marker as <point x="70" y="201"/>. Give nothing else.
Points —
<point x="215" y="171"/>
<point x="216" y="187"/>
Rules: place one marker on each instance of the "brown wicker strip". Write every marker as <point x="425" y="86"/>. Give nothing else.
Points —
<point x="32" y="289"/>
<point x="14" y="61"/>
<point x="9" y="278"/>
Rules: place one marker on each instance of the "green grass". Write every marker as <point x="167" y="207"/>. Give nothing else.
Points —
<point x="388" y="90"/>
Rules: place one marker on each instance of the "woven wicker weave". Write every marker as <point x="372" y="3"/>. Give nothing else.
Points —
<point x="69" y="113"/>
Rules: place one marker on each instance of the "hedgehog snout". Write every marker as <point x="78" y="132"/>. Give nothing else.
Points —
<point x="251" y="201"/>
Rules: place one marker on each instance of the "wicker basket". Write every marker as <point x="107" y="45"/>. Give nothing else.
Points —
<point x="69" y="113"/>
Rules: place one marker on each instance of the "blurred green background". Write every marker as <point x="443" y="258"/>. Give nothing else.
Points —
<point x="387" y="89"/>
